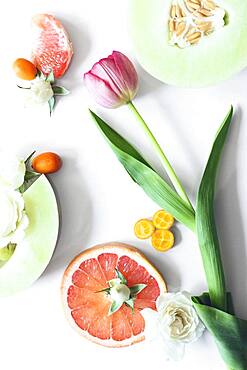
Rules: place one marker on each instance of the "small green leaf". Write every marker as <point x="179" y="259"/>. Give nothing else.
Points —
<point x="40" y="74"/>
<point x="106" y="290"/>
<point x="130" y="303"/>
<point x="29" y="179"/>
<point x="25" y="88"/>
<point x="52" y="103"/>
<point x="121" y="277"/>
<point x="115" y="306"/>
<point x="136" y="289"/>
<point x="60" y="90"/>
<point x="50" y="78"/>
<point x="28" y="159"/>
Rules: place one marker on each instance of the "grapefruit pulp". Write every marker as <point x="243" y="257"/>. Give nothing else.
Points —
<point x="87" y="309"/>
<point x="52" y="48"/>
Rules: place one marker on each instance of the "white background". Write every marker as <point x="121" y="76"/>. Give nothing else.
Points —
<point x="98" y="201"/>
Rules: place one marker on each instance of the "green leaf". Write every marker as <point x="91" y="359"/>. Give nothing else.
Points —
<point x="115" y="306"/>
<point x="143" y="174"/>
<point x="121" y="277"/>
<point x="230" y="333"/>
<point x="28" y="159"/>
<point x="50" y="78"/>
<point x="130" y="303"/>
<point x="136" y="289"/>
<point x="59" y="90"/>
<point x="106" y="290"/>
<point x="29" y="179"/>
<point x="205" y="221"/>
<point x="41" y="74"/>
<point x="52" y="103"/>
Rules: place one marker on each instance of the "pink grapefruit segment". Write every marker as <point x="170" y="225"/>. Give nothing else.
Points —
<point x="87" y="310"/>
<point x="52" y="48"/>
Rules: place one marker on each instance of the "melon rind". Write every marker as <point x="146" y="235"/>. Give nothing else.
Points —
<point x="214" y="59"/>
<point x="33" y="254"/>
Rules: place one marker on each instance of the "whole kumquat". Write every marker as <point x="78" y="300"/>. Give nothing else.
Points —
<point x="47" y="163"/>
<point x="24" y="69"/>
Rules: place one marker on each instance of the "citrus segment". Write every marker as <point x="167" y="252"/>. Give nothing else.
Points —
<point x="163" y="220"/>
<point x="52" y="48"/>
<point x="87" y="308"/>
<point x="162" y="240"/>
<point x="144" y="229"/>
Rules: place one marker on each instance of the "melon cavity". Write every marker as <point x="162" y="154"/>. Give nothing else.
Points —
<point x="190" y="43"/>
<point x="191" y="20"/>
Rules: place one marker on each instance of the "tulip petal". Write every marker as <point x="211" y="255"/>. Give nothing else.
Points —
<point x="101" y="91"/>
<point x="127" y="71"/>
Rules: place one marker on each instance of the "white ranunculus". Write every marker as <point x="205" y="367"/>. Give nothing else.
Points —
<point x="12" y="170"/>
<point x="175" y="323"/>
<point x="120" y="293"/>
<point x="40" y="92"/>
<point x="13" y="219"/>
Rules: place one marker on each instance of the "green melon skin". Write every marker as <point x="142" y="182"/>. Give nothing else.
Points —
<point x="214" y="59"/>
<point x="33" y="254"/>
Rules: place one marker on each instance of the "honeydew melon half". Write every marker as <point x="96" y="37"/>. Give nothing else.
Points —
<point x="33" y="254"/>
<point x="216" y="57"/>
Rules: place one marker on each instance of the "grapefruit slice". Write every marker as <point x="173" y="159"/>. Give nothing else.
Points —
<point x="88" y="310"/>
<point x="52" y="48"/>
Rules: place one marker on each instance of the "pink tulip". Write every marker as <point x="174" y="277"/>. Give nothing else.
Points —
<point x="112" y="81"/>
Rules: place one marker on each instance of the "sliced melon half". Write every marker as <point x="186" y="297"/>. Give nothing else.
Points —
<point x="33" y="254"/>
<point x="217" y="47"/>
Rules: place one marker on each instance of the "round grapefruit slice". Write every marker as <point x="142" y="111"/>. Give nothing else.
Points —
<point x="88" y="310"/>
<point x="52" y="48"/>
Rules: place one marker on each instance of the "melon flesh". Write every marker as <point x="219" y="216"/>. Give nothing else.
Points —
<point x="33" y="254"/>
<point x="215" y="58"/>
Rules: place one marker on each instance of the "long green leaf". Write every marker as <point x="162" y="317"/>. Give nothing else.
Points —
<point x="205" y="222"/>
<point x="230" y="333"/>
<point x="142" y="173"/>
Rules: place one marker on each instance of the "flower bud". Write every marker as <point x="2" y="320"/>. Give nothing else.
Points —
<point x="113" y="81"/>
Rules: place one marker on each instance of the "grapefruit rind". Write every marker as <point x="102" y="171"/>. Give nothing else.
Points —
<point x="120" y="249"/>
<point x="33" y="254"/>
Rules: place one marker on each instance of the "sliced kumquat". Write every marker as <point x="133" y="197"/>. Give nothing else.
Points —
<point x="144" y="229"/>
<point x="162" y="240"/>
<point x="163" y="220"/>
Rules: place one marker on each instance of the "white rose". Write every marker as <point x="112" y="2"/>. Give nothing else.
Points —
<point x="12" y="170"/>
<point x="175" y="323"/>
<point x="40" y="92"/>
<point x="13" y="219"/>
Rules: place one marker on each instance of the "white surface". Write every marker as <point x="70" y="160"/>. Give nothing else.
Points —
<point x="99" y="202"/>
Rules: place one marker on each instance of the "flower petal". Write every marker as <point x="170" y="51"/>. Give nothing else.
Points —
<point x="102" y="92"/>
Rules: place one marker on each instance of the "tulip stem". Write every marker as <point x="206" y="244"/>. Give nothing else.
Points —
<point x="170" y="171"/>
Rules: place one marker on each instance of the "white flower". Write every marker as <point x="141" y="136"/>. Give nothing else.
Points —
<point x="12" y="170"/>
<point x="40" y="92"/>
<point x="175" y="323"/>
<point x="13" y="219"/>
<point x="120" y="293"/>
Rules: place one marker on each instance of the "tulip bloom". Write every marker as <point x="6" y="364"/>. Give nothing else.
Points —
<point x="113" y="81"/>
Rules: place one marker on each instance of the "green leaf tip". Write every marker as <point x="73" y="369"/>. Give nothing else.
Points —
<point x="205" y="221"/>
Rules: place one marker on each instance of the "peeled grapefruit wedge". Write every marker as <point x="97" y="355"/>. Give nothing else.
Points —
<point x="52" y="48"/>
<point x="87" y="309"/>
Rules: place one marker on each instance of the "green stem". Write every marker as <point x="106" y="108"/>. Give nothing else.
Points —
<point x="170" y="171"/>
